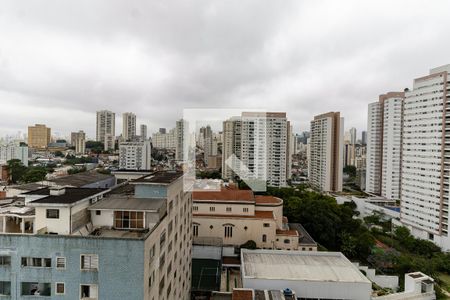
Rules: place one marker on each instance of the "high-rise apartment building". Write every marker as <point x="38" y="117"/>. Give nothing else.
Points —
<point x="14" y="150"/>
<point x="180" y="131"/>
<point x="143" y="132"/>
<point x="353" y="135"/>
<point x="231" y="144"/>
<point x="38" y="136"/>
<point x="425" y="157"/>
<point x="384" y="145"/>
<point x="78" y="140"/>
<point x="364" y="137"/>
<point x="264" y="146"/>
<point x="326" y="152"/>
<point x="163" y="140"/>
<point x="128" y="126"/>
<point x="106" y="128"/>
<point x="135" y="155"/>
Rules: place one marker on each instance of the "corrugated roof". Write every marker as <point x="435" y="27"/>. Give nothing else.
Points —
<point x="70" y="196"/>
<point x="115" y="202"/>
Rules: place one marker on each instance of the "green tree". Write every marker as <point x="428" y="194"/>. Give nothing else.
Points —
<point x="350" y="171"/>
<point x="34" y="174"/>
<point x="59" y="154"/>
<point x="16" y="170"/>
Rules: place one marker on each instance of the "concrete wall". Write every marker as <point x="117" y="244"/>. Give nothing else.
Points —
<point x="120" y="261"/>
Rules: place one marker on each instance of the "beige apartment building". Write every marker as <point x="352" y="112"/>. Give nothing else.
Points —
<point x="38" y="136"/>
<point x="237" y="216"/>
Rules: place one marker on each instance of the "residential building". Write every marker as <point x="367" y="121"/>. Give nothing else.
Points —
<point x="384" y="145"/>
<point x="425" y="153"/>
<point x="39" y="136"/>
<point x="364" y="137"/>
<point x="180" y="132"/>
<point x="78" y="140"/>
<point x="86" y="243"/>
<point x="106" y="129"/>
<point x="128" y="126"/>
<point x="231" y="144"/>
<point x="135" y="155"/>
<point x="237" y="216"/>
<point x="14" y="150"/>
<point x="326" y="152"/>
<point x="206" y="142"/>
<point x="163" y="140"/>
<point x="143" y="132"/>
<point x="353" y="135"/>
<point x="264" y="146"/>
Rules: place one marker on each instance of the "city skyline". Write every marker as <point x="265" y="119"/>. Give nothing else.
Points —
<point x="147" y="59"/>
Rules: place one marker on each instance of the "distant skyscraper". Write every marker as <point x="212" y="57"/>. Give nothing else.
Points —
<point x="180" y="140"/>
<point x="39" y="136"/>
<point x="384" y="140"/>
<point x="425" y="157"/>
<point x="326" y="152"/>
<point x="143" y="132"/>
<point x="231" y="144"/>
<point x="162" y="130"/>
<point x="78" y="140"/>
<point x="129" y="126"/>
<point x="135" y="155"/>
<point x="353" y="135"/>
<point x="364" y="137"/>
<point x="106" y="128"/>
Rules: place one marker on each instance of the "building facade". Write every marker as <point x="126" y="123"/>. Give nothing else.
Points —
<point x="135" y="155"/>
<point x="133" y="242"/>
<point x="326" y="152"/>
<point x="231" y="144"/>
<point x="39" y="136"/>
<point x="384" y="145"/>
<point x="143" y="132"/>
<point x="426" y="148"/>
<point x="14" y="150"/>
<point x="106" y="129"/>
<point x="163" y="140"/>
<point x="78" y="140"/>
<point x="128" y="126"/>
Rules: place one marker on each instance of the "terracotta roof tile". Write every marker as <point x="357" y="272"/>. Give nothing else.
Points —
<point x="226" y="194"/>
<point x="290" y="232"/>
<point x="267" y="200"/>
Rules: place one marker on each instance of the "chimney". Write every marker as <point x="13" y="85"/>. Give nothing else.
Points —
<point x="57" y="190"/>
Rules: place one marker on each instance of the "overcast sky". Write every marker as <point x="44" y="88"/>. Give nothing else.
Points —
<point x="60" y="61"/>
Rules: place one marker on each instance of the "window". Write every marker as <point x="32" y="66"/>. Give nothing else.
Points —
<point x="129" y="219"/>
<point x="60" y="262"/>
<point x="264" y="238"/>
<point x="5" y="288"/>
<point x="89" y="262"/>
<point x="52" y="213"/>
<point x="152" y="253"/>
<point x="98" y="212"/>
<point x="266" y="225"/>
<point x="161" y="285"/>
<point x="228" y="231"/>
<point x="162" y="240"/>
<point x="287" y="241"/>
<point x="5" y="261"/>
<point x="228" y="209"/>
<point x="37" y="262"/>
<point x="170" y="227"/>
<point x="195" y="208"/>
<point x="195" y="230"/>
<point x="35" y="289"/>
<point x="245" y="209"/>
<point x="60" y="288"/>
<point x="162" y="261"/>
<point x="212" y="208"/>
<point x="151" y="279"/>
<point x="88" y="291"/>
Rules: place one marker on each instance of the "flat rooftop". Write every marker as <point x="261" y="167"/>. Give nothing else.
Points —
<point x="161" y="177"/>
<point x="80" y="179"/>
<point x="301" y="266"/>
<point x="123" y="202"/>
<point x="70" y="196"/>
